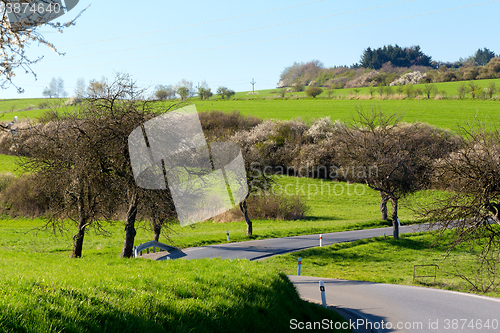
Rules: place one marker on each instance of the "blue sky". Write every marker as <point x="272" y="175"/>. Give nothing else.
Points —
<point x="229" y="43"/>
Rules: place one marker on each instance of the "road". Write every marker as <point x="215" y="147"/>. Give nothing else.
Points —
<point x="261" y="249"/>
<point x="414" y="309"/>
<point x="419" y="309"/>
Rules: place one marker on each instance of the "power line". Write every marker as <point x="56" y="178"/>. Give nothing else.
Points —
<point x="274" y="39"/>
<point x="228" y="33"/>
<point x="193" y="25"/>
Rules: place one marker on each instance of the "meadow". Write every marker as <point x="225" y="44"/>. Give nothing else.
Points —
<point x="43" y="290"/>
<point x="447" y="114"/>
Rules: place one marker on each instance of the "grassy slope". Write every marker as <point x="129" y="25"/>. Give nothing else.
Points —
<point x="53" y="293"/>
<point x="376" y="260"/>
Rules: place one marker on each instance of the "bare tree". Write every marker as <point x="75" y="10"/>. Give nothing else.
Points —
<point x="471" y="208"/>
<point x="391" y="157"/>
<point x="85" y="155"/>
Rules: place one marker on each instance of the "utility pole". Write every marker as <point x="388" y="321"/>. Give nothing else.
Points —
<point x="253" y="86"/>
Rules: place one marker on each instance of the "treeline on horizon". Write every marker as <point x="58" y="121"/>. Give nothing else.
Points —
<point x="386" y="64"/>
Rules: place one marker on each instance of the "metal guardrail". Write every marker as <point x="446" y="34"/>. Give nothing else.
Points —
<point x="436" y="267"/>
<point x="152" y="244"/>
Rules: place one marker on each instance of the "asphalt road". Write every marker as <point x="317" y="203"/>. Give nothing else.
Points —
<point x="413" y="309"/>
<point x="370" y="307"/>
<point x="260" y="249"/>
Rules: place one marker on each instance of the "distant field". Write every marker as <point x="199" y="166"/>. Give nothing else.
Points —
<point x="10" y="105"/>
<point x="442" y="113"/>
<point x="449" y="87"/>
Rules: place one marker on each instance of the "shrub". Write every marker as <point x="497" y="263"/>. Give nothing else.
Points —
<point x="218" y="124"/>
<point x="73" y="101"/>
<point x="22" y="198"/>
<point x="43" y="105"/>
<point x="268" y="206"/>
<point x="5" y="180"/>
<point x="313" y="91"/>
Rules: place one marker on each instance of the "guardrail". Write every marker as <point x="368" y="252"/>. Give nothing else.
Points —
<point x="152" y="244"/>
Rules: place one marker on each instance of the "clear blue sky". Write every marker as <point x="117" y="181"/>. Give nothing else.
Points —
<point x="230" y="42"/>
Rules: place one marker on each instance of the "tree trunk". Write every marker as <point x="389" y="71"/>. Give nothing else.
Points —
<point x="128" y="244"/>
<point x="395" y="219"/>
<point x="157" y="228"/>
<point x="244" y="210"/>
<point x="383" y="205"/>
<point x="82" y="224"/>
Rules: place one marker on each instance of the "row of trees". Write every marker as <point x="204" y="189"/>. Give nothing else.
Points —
<point x="79" y="162"/>
<point x="396" y="55"/>
<point x="398" y="159"/>
<point x="185" y="89"/>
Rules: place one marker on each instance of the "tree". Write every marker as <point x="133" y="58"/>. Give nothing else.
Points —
<point x="16" y="37"/>
<point x="183" y="92"/>
<point x="390" y="157"/>
<point x="471" y="209"/>
<point x="47" y="92"/>
<point x="84" y="156"/>
<point x="313" y="91"/>
<point x="80" y="87"/>
<point x="188" y="85"/>
<point x="164" y="92"/>
<point x="482" y="57"/>
<point x="409" y="90"/>
<point x="474" y="89"/>
<point x="60" y="88"/>
<point x="397" y="56"/>
<point x="429" y="89"/>
<point x="491" y="89"/>
<point x="462" y="89"/>
<point x="225" y="92"/>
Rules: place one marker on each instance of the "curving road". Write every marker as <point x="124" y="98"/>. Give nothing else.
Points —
<point x="370" y="307"/>
<point x="263" y="248"/>
<point x="412" y="309"/>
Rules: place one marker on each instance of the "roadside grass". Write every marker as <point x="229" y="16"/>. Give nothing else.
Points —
<point x="50" y="293"/>
<point x="385" y="261"/>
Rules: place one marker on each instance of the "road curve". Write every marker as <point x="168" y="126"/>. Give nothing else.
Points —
<point x="418" y="309"/>
<point x="263" y="248"/>
<point x="413" y="309"/>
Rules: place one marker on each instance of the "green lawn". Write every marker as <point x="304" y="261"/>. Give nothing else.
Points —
<point x="8" y="164"/>
<point x="384" y="261"/>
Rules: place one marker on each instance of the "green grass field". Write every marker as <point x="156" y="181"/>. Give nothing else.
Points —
<point x="52" y="293"/>
<point x="446" y="114"/>
<point x="10" y="105"/>
<point x="450" y="89"/>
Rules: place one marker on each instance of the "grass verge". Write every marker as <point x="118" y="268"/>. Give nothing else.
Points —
<point x="384" y="261"/>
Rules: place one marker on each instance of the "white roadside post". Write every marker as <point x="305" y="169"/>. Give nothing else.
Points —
<point x="227" y="234"/>
<point x="300" y="264"/>
<point x="322" y="290"/>
<point x="320" y="240"/>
